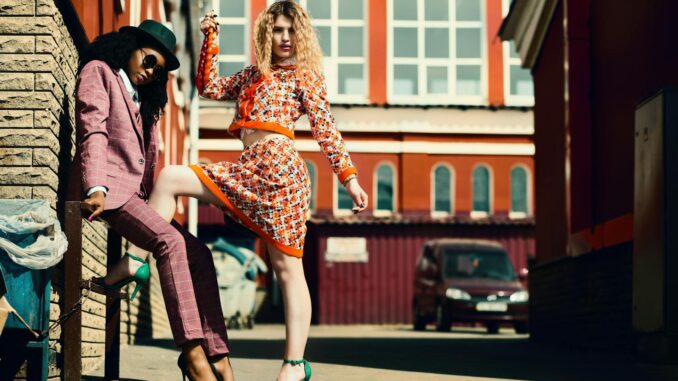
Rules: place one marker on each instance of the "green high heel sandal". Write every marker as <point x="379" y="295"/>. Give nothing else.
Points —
<point x="307" y="367"/>
<point x="141" y="277"/>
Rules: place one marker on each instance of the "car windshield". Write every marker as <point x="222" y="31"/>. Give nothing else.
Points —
<point x="478" y="264"/>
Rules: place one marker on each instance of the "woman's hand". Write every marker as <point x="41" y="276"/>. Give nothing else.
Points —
<point x="95" y="204"/>
<point x="357" y="194"/>
<point x="209" y="21"/>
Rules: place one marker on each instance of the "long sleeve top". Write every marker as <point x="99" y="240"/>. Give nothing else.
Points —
<point x="276" y="103"/>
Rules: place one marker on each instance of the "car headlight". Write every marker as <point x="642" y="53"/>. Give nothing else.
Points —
<point x="455" y="293"/>
<point x="520" y="296"/>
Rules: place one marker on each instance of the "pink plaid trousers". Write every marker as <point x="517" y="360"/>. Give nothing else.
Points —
<point x="187" y="274"/>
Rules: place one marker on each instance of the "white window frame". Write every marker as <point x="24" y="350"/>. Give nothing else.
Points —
<point x="331" y="63"/>
<point x="335" y="200"/>
<point x="437" y="213"/>
<point x="509" y="99"/>
<point x="481" y="213"/>
<point x="134" y="12"/>
<point x="423" y="98"/>
<point x="375" y="190"/>
<point x="528" y="189"/>
<point x="245" y="22"/>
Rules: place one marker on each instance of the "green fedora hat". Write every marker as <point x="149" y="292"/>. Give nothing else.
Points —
<point x="160" y="36"/>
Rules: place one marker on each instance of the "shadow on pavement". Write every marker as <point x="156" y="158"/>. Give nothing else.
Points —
<point x="95" y="378"/>
<point x="496" y="357"/>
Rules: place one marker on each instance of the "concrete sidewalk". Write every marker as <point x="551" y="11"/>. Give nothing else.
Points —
<point x="381" y="353"/>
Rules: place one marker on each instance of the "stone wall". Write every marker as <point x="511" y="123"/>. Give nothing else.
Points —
<point x="38" y="63"/>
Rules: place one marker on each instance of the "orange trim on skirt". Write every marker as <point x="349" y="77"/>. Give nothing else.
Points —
<point x="214" y="189"/>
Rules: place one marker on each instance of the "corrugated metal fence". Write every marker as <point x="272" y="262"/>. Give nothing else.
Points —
<point x="380" y="290"/>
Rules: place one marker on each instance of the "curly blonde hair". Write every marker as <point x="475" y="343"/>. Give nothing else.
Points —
<point x="307" y="49"/>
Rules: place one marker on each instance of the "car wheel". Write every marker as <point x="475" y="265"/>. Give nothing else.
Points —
<point x="492" y="328"/>
<point x="521" y="327"/>
<point x="443" y="321"/>
<point x="418" y="322"/>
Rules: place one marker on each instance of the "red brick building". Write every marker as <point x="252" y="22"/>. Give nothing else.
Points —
<point x="434" y="108"/>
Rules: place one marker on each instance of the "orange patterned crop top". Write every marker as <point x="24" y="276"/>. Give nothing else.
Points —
<point x="276" y="103"/>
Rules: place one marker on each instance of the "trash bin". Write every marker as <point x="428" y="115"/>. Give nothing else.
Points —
<point x="237" y="271"/>
<point x="248" y="289"/>
<point x="31" y="242"/>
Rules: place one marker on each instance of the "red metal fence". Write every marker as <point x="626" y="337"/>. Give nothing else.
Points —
<point x="380" y="290"/>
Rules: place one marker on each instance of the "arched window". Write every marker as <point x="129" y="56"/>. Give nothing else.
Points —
<point x="311" y="174"/>
<point x="481" y="190"/>
<point x="385" y="191"/>
<point x="344" y="201"/>
<point x="519" y="191"/>
<point x="442" y="189"/>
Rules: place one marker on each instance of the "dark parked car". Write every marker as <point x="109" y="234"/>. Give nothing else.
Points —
<point x="459" y="280"/>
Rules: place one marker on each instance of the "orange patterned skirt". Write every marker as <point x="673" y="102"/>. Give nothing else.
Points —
<point x="267" y="190"/>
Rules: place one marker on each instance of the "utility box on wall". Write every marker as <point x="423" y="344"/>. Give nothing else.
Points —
<point x="655" y="259"/>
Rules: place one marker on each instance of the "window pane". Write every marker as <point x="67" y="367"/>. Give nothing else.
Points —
<point x="436" y="10"/>
<point x="404" y="9"/>
<point x="521" y="81"/>
<point x="468" y="10"/>
<point x="351" y="79"/>
<point x="319" y="9"/>
<point x="325" y="38"/>
<point x="351" y="9"/>
<point x="481" y="190"/>
<point x="468" y="80"/>
<point x="311" y="175"/>
<point x="344" y="200"/>
<point x="519" y="190"/>
<point x="437" y="42"/>
<point x="436" y="80"/>
<point x="405" y="42"/>
<point x="232" y="39"/>
<point x="351" y="41"/>
<point x="468" y="43"/>
<point x="443" y="202"/>
<point x="385" y="188"/>
<point x="405" y="80"/>
<point x="230" y="68"/>
<point x="232" y="8"/>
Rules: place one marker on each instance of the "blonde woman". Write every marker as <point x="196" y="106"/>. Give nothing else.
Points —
<point x="268" y="189"/>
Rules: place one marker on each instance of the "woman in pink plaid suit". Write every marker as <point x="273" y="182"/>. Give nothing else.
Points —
<point x="120" y="94"/>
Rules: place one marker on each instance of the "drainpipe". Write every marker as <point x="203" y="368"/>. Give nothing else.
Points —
<point x="193" y="127"/>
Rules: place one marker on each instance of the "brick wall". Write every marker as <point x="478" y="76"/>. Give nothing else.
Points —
<point x="38" y="63"/>
<point x="584" y="301"/>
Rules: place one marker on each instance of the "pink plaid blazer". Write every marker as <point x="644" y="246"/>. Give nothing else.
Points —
<point x="109" y="139"/>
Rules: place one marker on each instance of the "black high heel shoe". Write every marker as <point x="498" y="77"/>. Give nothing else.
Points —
<point x="181" y="363"/>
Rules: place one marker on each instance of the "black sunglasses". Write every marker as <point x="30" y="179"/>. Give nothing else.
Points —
<point x="150" y="61"/>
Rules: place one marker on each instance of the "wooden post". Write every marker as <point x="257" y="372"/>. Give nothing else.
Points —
<point x="112" y="351"/>
<point x="72" y="333"/>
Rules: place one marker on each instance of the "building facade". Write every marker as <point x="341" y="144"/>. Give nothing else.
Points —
<point x="589" y="286"/>
<point x="40" y="42"/>
<point x="434" y="108"/>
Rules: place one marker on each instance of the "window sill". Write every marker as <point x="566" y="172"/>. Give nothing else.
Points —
<point x="479" y="214"/>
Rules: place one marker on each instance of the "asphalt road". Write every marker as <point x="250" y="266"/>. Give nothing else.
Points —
<point x="381" y="353"/>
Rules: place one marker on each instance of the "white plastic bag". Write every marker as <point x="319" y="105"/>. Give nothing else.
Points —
<point x="22" y="220"/>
